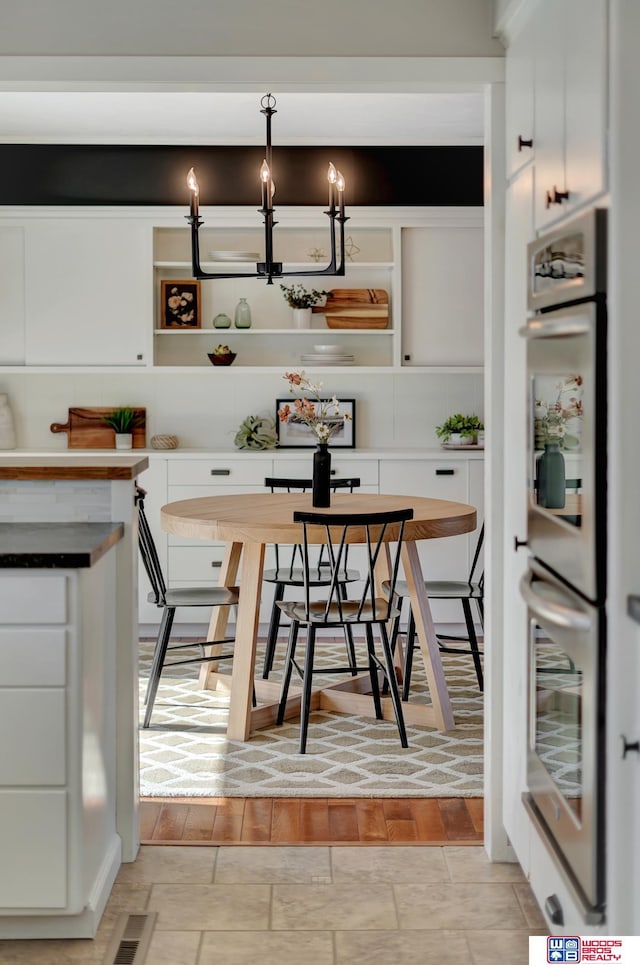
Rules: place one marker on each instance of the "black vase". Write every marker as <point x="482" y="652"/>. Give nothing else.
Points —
<point x="321" y="493"/>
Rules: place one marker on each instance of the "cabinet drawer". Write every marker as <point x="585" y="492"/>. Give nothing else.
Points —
<point x="32" y="658"/>
<point x="217" y="472"/>
<point x="438" y="479"/>
<point x="33" y="599"/>
<point x="33" y="824"/>
<point x="193" y="564"/>
<point x="197" y="492"/>
<point x="201" y="564"/>
<point x="35" y="718"/>
<point x="341" y="466"/>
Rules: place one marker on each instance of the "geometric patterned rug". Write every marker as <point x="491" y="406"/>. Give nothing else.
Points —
<point x="185" y="753"/>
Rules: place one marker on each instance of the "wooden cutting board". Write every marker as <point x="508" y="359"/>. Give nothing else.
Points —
<point x="86" y="430"/>
<point x="356" y="308"/>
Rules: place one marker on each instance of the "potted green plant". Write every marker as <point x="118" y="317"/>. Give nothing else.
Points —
<point x="123" y="421"/>
<point x="301" y="300"/>
<point x="459" y="430"/>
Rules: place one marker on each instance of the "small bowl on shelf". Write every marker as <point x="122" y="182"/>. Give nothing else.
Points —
<point x="328" y="349"/>
<point x="225" y="359"/>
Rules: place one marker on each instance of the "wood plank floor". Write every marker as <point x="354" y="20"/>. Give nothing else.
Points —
<point x="312" y="821"/>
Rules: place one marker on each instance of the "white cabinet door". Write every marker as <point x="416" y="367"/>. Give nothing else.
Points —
<point x="586" y="100"/>
<point x="442" y="296"/>
<point x="519" y="92"/>
<point x="33" y="844"/>
<point x="548" y="36"/>
<point x="570" y="129"/>
<point x="88" y="291"/>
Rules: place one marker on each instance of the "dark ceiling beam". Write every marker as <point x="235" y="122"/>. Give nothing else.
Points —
<point x="80" y="174"/>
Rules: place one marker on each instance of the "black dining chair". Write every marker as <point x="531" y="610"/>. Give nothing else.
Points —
<point x="467" y="592"/>
<point x="368" y="610"/>
<point x="288" y="569"/>
<point x="169" y="600"/>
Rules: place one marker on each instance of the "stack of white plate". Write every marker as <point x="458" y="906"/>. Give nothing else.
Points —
<point x="328" y="355"/>
<point x="234" y="256"/>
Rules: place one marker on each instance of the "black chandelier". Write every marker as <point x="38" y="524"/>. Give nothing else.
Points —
<point x="270" y="269"/>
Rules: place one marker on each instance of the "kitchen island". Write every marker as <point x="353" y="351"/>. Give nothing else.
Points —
<point x="68" y="651"/>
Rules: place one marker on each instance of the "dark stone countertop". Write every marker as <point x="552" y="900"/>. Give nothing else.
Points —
<point x="56" y="545"/>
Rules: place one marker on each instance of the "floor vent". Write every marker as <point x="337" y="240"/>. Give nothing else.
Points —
<point x="130" y="939"/>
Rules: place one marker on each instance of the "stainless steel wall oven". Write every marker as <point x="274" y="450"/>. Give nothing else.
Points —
<point x="565" y="586"/>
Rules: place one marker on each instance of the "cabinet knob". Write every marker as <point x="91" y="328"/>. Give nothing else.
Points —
<point x="517" y="543"/>
<point x="220" y="472"/>
<point x="445" y="472"/>
<point x="524" y="142"/>
<point x="556" y="197"/>
<point x="627" y="747"/>
<point x="139" y="357"/>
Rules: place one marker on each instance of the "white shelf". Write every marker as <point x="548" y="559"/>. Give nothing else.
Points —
<point x="249" y="266"/>
<point x="242" y="332"/>
<point x="270" y="369"/>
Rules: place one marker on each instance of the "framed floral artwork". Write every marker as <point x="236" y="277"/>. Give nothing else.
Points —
<point x="180" y="304"/>
<point x="294" y="433"/>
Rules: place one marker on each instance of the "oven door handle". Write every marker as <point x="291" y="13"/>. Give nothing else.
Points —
<point x="563" y="617"/>
<point x="555" y="327"/>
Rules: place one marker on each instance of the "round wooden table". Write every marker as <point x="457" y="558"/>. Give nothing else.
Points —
<point x="248" y="523"/>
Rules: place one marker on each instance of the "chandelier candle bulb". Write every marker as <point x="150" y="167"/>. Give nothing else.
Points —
<point x="195" y="190"/>
<point x="340" y="186"/>
<point x="264" y="180"/>
<point x="331" y="177"/>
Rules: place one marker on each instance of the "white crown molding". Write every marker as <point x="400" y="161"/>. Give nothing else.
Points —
<point x="359" y="74"/>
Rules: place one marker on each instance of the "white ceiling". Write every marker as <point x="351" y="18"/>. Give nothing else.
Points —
<point x="234" y="118"/>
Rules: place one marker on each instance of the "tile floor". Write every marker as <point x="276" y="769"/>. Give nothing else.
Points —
<point x="329" y="906"/>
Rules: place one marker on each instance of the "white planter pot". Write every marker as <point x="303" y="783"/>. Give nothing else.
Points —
<point x="458" y="439"/>
<point x="124" y="440"/>
<point x="302" y="318"/>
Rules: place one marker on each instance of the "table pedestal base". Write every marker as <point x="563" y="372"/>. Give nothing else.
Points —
<point x="350" y="696"/>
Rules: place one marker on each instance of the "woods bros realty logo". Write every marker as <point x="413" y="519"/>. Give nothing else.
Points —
<point x="571" y="949"/>
<point x="566" y="950"/>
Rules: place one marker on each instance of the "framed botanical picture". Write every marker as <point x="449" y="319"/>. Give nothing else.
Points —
<point x="299" y="435"/>
<point x="180" y="304"/>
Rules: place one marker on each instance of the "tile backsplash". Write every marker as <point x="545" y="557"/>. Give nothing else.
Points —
<point x="205" y="410"/>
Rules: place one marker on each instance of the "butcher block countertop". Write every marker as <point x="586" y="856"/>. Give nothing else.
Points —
<point x="76" y="466"/>
<point x="56" y="545"/>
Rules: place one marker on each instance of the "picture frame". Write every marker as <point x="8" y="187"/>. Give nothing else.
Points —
<point x="297" y="435"/>
<point x="180" y="303"/>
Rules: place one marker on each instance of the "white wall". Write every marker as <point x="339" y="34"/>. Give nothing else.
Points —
<point x="437" y="28"/>
<point x="205" y="412"/>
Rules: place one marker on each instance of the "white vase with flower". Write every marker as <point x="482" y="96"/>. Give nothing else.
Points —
<point x="301" y="300"/>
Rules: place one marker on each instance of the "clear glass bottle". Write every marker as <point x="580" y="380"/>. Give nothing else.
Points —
<point x="243" y="314"/>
